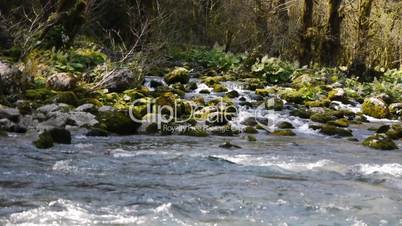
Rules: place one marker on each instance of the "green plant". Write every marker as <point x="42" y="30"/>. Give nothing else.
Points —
<point x="76" y="60"/>
<point x="214" y="58"/>
<point x="273" y="70"/>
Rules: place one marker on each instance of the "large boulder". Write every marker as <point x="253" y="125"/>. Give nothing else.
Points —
<point x="375" y="107"/>
<point x="177" y="75"/>
<point x="12" y="80"/>
<point x="62" y="82"/>
<point x="120" y="80"/>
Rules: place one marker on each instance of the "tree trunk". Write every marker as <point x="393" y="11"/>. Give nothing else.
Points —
<point x="261" y="21"/>
<point x="306" y="36"/>
<point x="332" y="43"/>
<point x="358" y="66"/>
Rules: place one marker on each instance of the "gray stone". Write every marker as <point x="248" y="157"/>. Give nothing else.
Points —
<point x="119" y="80"/>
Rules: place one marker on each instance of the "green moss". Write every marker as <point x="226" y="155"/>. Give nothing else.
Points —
<point x="66" y="97"/>
<point x="274" y="104"/>
<point x="265" y="92"/>
<point x="317" y="103"/>
<point x="118" y="122"/>
<point x="395" y="132"/>
<point x="232" y="94"/>
<point x="250" y="130"/>
<point x="251" y="138"/>
<point x="321" y="117"/>
<point x="178" y="75"/>
<point x="44" y="141"/>
<point x="285" y="125"/>
<point x="301" y="113"/>
<point x="211" y="81"/>
<point x="285" y="132"/>
<point x="343" y="122"/>
<point x="219" y="88"/>
<point x="380" y="141"/>
<point x="375" y="107"/>
<point x="333" y="130"/>
<point x="39" y="94"/>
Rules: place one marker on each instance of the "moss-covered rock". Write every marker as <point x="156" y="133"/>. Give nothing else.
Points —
<point x="375" y="107"/>
<point x="335" y="131"/>
<point x="380" y="141"/>
<point x="118" y="122"/>
<point x="322" y="117"/>
<point x="178" y="75"/>
<point x="232" y="94"/>
<point x="250" y="130"/>
<point x="219" y="88"/>
<point x="292" y="96"/>
<point x="343" y="122"/>
<point x="44" y="141"/>
<point x="251" y="138"/>
<point x="285" y="125"/>
<point x="60" y="135"/>
<point x="274" y="104"/>
<point x="226" y="130"/>
<point x="284" y="132"/>
<point x="317" y="103"/>
<point x="205" y="91"/>
<point x="211" y="81"/>
<point x="265" y="92"/>
<point x="394" y="132"/>
<point x="301" y="113"/>
<point x="62" y="82"/>
<point x="338" y="94"/>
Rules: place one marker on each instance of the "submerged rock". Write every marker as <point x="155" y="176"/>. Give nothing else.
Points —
<point x="333" y="130"/>
<point x="343" y="122"/>
<point x="97" y="132"/>
<point x="177" y="75"/>
<point x="285" y="132"/>
<point x="62" y="82"/>
<point x="380" y="141"/>
<point x="251" y="138"/>
<point x="228" y="145"/>
<point x="375" y="107"/>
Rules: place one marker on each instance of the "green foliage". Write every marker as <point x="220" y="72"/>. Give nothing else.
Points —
<point x="214" y="58"/>
<point x="273" y="70"/>
<point x="75" y="60"/>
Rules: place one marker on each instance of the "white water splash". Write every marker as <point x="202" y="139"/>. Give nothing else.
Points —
<point x="392" y="169"/>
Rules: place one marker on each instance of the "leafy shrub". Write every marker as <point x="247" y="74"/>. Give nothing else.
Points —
<point x="273" y="70"/>
<point x="214" y="58"/>
<point x="75" y="60"/>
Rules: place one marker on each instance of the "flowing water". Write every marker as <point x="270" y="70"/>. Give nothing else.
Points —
<point x="309" y="179"/>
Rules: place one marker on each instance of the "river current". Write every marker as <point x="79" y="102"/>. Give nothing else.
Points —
<point x="309" y="179"/>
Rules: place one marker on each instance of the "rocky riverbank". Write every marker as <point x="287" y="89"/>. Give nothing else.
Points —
<point x="52" y="98"/>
